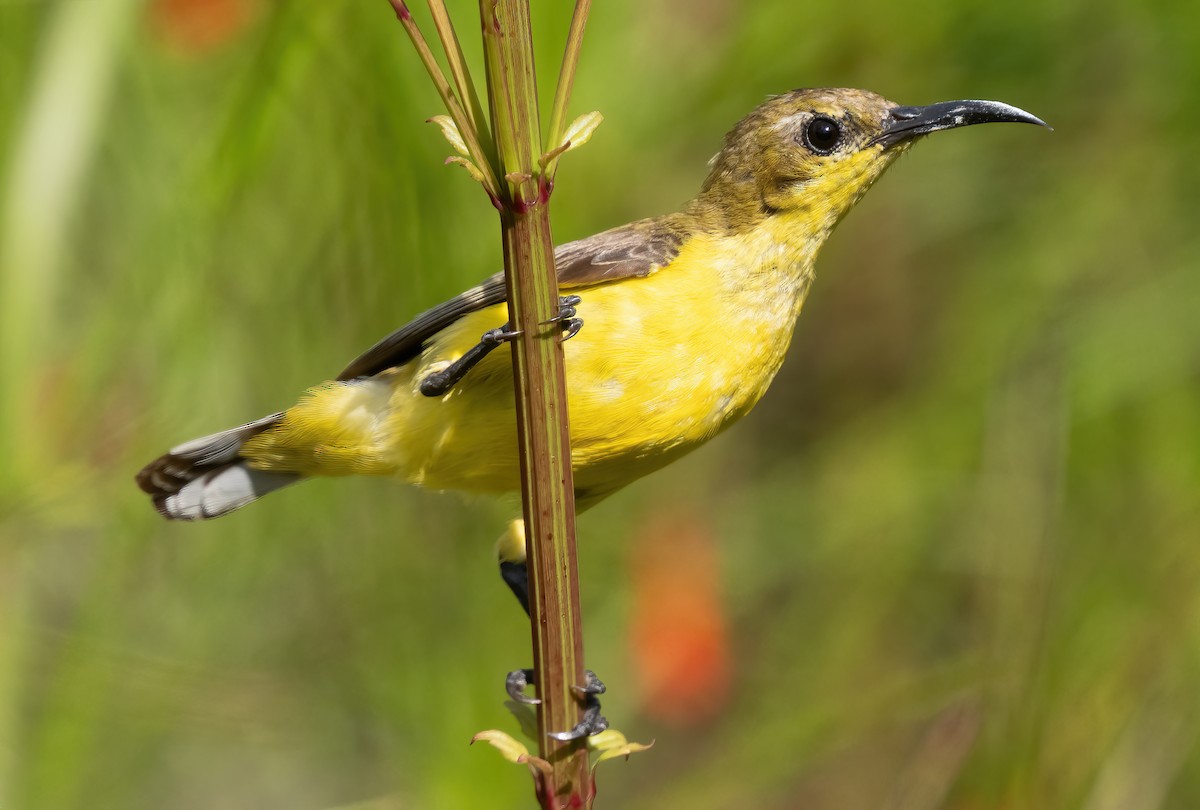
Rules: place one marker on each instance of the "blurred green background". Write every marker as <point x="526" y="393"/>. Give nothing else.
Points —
<point x="951" y="561"/>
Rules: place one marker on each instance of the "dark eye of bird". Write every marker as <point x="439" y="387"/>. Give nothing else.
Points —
<point x="822" y="135"/>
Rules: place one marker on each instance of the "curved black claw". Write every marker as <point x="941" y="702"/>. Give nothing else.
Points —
<point x="591" y="686"/>
<point x="571" y="328"/>
<point x="516" y="683"/>
<point x="501" y="334"/>
<point x="566" y="316"/>
<point x="566" y="309"/>
<point x="593" y="722"/>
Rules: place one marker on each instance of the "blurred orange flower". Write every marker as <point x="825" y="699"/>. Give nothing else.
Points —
<point x="196" y="26"/>
<point x="678" y="630"/>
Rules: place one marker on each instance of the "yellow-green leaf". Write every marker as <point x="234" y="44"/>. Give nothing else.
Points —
<point x="611" y="744"/>
<point x="450" y="132"/>
<point x="577" y="134"/>
<point x="513" y="750"/>
<point x="471" y="168"/>
<point x="581" y="129"/>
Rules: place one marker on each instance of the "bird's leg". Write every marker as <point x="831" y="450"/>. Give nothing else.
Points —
<point x="440" y="382"/>
<point x="516" y="577"/>
<point x="511" y="551"/>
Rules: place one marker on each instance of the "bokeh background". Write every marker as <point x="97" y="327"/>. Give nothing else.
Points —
<point x="951" y="561"/>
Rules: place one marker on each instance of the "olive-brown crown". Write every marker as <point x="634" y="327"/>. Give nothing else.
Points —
<point x="793" y="149"/>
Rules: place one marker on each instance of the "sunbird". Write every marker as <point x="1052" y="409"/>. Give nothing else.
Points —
<point x="677" y="325"/>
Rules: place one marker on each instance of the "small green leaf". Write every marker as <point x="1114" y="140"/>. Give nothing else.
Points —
<point x="581" y="129"/>
<point x="471" y="168"/>
<point x="611" y="744"/>
<point x="513" y="750"/>
<point x="450" y="132"/>
<point x="577" y="134"/>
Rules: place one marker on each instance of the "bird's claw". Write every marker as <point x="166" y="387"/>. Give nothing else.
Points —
<point x="566" y="317"/>
<point x="587" y="694"/>
<point x="516" y="683"/>
<point x="566" y="309"/>
<point x="440" y="382"/>
<point x="592" y="723"/>
<point x="501" y="334"/>
<point x="571" y="329"/>
<point x="591" y="686"/>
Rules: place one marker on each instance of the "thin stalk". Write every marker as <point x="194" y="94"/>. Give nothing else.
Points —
<point x="462" y="75"/>
<point x="466" y="129"/>
<point x="566" y="75"/>
<point x="538" y="369"/>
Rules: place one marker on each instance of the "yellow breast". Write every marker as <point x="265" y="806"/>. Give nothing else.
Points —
<point x="663" y="363"/>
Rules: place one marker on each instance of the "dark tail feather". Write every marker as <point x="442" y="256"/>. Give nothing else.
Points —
<point x="205" y="478"/>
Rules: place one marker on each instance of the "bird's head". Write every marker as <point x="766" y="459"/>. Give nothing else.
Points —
<point x="816" y="152"/>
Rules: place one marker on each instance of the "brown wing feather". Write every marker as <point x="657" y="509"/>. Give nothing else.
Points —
<point x="406" y="342"/>
<point x="631" y="251"/>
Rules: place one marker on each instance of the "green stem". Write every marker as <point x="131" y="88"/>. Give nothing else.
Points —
<point x="462" y="76"/>
<point x="465" y="126"/>
<point x="566" y="76"/>
<point x="538" y="368"/>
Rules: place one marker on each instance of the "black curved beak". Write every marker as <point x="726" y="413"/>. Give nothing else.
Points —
<point x="906" y="123"/>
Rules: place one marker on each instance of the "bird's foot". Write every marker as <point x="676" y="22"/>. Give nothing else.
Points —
<point x="501" y="334"/>
<point x="567" y="316"/>
<point x="515" y="684"/>
<point x="440" y="382"/>
<point x="588" y="695"/>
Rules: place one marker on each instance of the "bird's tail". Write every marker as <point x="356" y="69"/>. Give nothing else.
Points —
<point x="206" y="478"/>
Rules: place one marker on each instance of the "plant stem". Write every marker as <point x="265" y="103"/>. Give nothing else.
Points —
<point x="566" y="75"/>
<point x="470" y="136"/>
<point x="462" y="76"/>
<point x="544" y="436"/>
<point x="508" y="156"/>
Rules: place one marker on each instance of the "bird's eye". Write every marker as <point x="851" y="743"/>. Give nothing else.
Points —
<point x="822" y="135"/>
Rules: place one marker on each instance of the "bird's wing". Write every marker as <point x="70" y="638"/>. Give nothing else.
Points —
<point x="406" y="342"/>
<point x="633" y="250"/>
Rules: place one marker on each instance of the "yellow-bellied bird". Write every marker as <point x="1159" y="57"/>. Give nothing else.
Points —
<point x="688" y="317"/>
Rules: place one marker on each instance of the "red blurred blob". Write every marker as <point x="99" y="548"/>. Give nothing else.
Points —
<point x="678" y="631"/>
<point x="197" y="26"/>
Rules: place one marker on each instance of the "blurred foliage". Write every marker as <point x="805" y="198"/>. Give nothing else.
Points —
<point x="955" y="547"/>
